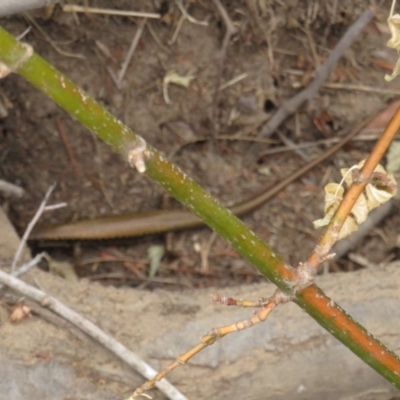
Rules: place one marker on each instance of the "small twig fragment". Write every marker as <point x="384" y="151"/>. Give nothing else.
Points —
<point x="50" y="40"/>
<point x="90" y="329"/>
<point x="132" y="49"/>
<point x="217" y="333"/>
<point x="26" y="267"/>
<point x="31" y="224"/>
<point x="230" y="31"/>
<point x="188" y="16"/>
<point x="76" y="8"/>
<point x="229" y="301"/>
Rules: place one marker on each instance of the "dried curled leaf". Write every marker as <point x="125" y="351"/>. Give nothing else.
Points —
<point x="175" y="78"/>
<point x="155" y="254"/>
<point x="381" y="188"/>
<point x="394" y="41"/>
<point x="333" y="197"/>
<point x="62" y="268"/>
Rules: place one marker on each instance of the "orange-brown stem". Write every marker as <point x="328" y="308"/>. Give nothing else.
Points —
<point x="349" y="332"/>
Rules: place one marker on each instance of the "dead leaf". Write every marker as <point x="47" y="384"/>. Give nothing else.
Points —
<point x="62" y="268"/>
<point x="381" y="188"/>
<point x="175" y="78"/>
<point x="333" y="197"/>
<point x="155" y="254"/>
<point x="394" y="41"/>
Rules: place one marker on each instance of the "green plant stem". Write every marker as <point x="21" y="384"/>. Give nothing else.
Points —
<point x="80" y="106"/>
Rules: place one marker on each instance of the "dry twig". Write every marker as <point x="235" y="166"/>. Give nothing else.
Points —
<point x="188" y="16"/>
<point x="230" y="31"/>
<point x="90" y="329"/>
<point x="51" y="41"/>
<point x="76" y="8"/>
<point x="27" y="266"/>
<point x="266" y="305"/>
<point x="361" y="88"/>
<point x="32" y="223"/>
<point x="132" y="49"/>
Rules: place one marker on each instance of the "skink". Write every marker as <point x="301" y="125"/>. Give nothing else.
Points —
<point x="145" y="223"/>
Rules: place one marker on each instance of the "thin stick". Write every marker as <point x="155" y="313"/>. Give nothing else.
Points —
<point x="50" y="40"/>
<point x="113" y="76"/>
<point x="177" y="30"/>
<point x="156" y="39"/>
<point x="305" y="145"/>
<point x="230" y="31"/>
<point x="217" y="333"/>
<point x="31" y="224"/>
<point x="92" y="330"/>
<point x="132" y="49"/>
<point x="292" y="146"/>
<point x="188" y="16"/>
<point x="75" y="8"/>
<point x="361" y="88"/>
<point x="233" y="81"/>
<point x="312" y="44"/>
<point x="290" y="106"/>
<point x="252" y="6"/>
<point x="24" y="33"/>
<point x="26" y="267"/>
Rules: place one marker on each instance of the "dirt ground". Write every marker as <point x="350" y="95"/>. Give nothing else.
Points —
<point x="37" y="135"/>
<point x="213" y="138"/>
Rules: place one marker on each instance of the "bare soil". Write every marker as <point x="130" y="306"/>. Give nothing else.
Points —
<point x="208" y="130"/>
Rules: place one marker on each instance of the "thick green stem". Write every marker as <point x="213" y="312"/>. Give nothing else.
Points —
<point x="78" y="104"/>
